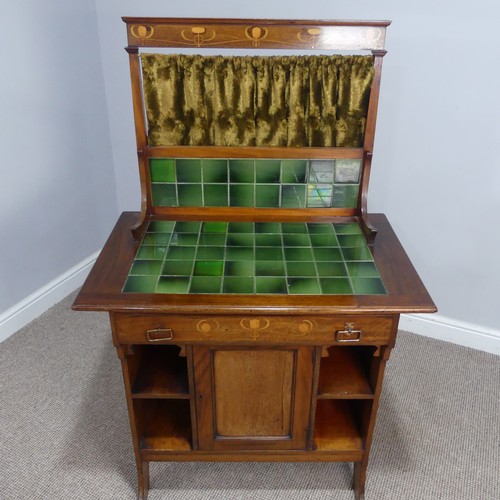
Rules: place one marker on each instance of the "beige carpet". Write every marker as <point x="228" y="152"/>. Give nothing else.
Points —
<point x="64" y="430"/>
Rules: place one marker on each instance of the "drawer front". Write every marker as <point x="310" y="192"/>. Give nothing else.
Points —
<point x="339" y="329"/>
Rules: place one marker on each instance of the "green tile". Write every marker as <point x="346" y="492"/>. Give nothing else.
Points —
<point x="181" y="253"/>
<point x="239" y="268"/>
<point x="140" y="284"/>
<point x="349" y="228"/>
<point x="268" y="227"/>
<point x="214" y="227"/>
<point x="267" y="171"/>
<point x="241" y="195"/>
<point x="187" y="227"/>
<point x="155" y="253"/>
<point x="293" y="171"/>
<point x="347" y="171"/>
<point x="294" y="227"/>
<point x="360" y="253"/>
<point x="270" y="285"/>
<point x="267" y="195"/>
<point x="321" y="171"/>
<point x="190" y="195"/>
<point x="160" y="226"/>
<point x="293" y="196"/>
<point x="164" y="195"/>
<point x="323" y="240"/>
<point x="240" y="240"/>
<point x="368" y="286"/>
<point x="183" y="239"/>
<point x="296" y="240"/>
<point x="188" y="170"/>
<point x="212" y="239"/>
<point x="162" y="169"/>
<point x="268" y="253"/>
<point x="320" y="228"/>
<point x="208" y="268"/>
<point x="362" y="269"/>
<point x="331" y="269"/>
<point x="300" y="269"/>
<point x="319" y="195"/>
<point x="237" y="285"/>
<point x="268" y="240"/>
<point x="178" y="268"/>
<point x="241" y="171"/>
<point x="327" y="254"/>
<point x="210" y="253"/>
<point x="269" y="268"/>
<point x="203" y="284"/>
<point x="345" y="196"/>
<point x="156" y="239"/>
<point x="336" y="286"/>
<point x="150" y="267"/>
<point x="239" y="253"/>
<point x="214" y="170"/>
<point x="351" y="240"/>
<point x="172" y="284"/>
<point x="298" y="254"/>
<point x="303" y="286"/>
<point x="240" y="227"/>
<point x="215" y="195"/>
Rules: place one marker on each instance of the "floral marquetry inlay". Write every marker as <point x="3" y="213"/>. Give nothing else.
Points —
<point x="256" y="34"/>
<point x="253" y="328"/>
<point x="141" y="31"/>
<point x="198" y="35"/>
<point x="151" y="32"/>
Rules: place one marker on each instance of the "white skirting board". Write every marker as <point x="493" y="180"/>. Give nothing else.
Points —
<point x="450" y="330"/>
<point x="435" y="326"/>
<point x="44" y="298"/>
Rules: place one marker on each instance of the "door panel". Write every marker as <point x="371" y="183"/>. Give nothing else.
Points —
<point x="253" y="398"/>
<point x="253" y="392"/>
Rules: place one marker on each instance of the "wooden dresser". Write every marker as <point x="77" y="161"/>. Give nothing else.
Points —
<point x="253" y="301"/>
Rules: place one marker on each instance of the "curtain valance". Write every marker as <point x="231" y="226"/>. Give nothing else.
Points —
<point x="256" y="101"/>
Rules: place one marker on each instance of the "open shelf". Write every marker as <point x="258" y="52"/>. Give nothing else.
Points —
<point x="343" y="374"/>
<point x="162" y="373"/>
<point x="166" y="425"/>
<point x="335" y="428"/>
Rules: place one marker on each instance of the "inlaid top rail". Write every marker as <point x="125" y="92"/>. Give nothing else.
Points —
<point x="255" y="33"/>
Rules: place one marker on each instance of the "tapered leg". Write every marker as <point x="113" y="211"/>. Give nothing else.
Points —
<point x="143" y="481"/>
<point x="359" y="479"/>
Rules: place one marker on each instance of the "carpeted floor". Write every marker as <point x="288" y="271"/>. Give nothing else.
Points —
<point x="64" y="430"/>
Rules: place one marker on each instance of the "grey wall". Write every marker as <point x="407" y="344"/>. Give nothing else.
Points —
<point x="58" y="196"/>
<point x="436" y="171"/>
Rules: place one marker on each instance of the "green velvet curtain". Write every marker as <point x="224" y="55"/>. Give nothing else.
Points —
<point x="256" y="101"/>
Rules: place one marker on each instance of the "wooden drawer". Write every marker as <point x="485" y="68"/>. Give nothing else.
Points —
<point x="165" y="329"/>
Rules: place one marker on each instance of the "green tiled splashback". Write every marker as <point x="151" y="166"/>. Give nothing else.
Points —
<point x="262" y="183"/>
<point x="254" y="258"/>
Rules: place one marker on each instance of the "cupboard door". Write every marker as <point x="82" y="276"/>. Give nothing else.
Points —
<point x="253" y="397"/>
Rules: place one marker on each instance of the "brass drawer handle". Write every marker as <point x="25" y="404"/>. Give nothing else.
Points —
<point x="348" y="334"/>
<point x="159" y="334"/>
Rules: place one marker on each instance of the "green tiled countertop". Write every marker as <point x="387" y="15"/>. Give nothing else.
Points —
<point x="254" y="258"/>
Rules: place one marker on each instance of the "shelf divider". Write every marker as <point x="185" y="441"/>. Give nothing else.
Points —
<point x="167" y="426"/>
<point x="343" y="375"/>
<point x="335" y="427"/>
<point x="162" y="374"/>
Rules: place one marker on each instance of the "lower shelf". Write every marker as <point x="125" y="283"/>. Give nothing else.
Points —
<point x="336" y="427"/>
<point x="166" y="425"/>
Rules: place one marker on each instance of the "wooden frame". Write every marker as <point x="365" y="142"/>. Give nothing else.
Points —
<point x="254" y="34"/>
<point x="176" y="348"/>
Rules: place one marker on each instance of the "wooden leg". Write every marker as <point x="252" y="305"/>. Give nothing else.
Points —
<point x="143" y="481"/>
<point x="359" y="479"/>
